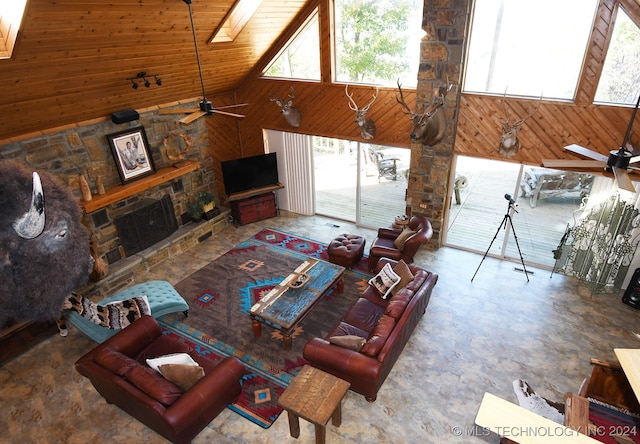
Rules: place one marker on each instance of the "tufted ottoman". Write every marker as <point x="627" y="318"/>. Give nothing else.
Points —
<point x="163" y="299"/>
<point x="346" y="250"/>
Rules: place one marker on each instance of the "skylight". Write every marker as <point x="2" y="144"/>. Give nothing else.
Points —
<point x="237" y="18"/>
<point x="11" y="13"/>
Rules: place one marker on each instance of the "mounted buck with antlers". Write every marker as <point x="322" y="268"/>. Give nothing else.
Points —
<point x="509" y="143"/>
<point x="367" y="126"/>
<point x="428" y="126"/>
<point x="290" y="112"/>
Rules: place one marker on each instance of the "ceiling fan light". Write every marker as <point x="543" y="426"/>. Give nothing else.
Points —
<point x="134" y="85"/>
<point x="147" y="84"/>
<point x="158" y="81"/>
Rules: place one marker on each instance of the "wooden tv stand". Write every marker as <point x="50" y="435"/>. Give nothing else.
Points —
<point x="254" y="205"/>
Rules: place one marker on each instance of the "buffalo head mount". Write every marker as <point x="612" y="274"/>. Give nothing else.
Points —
<point x="367" y="126"/>
<point x="509" y="143"/>
<point x="428" y="125"/>
<point x="290" y="112"/>
<point x="44" y="248"/>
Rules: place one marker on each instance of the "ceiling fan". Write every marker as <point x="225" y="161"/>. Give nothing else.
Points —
<point x="618" y="161"/>
<point x="206" y="107"/>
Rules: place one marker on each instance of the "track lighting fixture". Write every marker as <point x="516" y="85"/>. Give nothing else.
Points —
<point x="144" y="77"/>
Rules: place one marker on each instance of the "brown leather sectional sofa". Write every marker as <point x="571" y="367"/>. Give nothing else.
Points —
<point x="386" y="324"/>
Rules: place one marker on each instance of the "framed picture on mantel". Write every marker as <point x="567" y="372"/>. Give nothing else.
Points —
<point x="130" y="150"/>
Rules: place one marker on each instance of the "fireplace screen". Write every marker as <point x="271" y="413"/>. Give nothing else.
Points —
<point x="150" y="222"/>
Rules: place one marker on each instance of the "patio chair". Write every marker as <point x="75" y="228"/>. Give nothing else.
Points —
<point x="387" y="168"/>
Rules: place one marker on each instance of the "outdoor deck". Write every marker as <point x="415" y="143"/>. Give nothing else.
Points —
<point x="472" y="223"/>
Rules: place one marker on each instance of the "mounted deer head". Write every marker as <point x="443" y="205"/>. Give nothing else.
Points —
<point x="428" y="126"/>
<point x="367" y="126"/>
<point x="290" y="112"/>
<point x="509" y="143"/>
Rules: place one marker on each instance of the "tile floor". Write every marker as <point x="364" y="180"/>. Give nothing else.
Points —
<point x="476" y="337"/>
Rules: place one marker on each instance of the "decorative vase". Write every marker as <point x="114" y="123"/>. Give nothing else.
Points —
<point x="84" y="188"/>
<point x="99" y="185"/>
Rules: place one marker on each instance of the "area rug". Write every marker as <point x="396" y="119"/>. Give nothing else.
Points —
<point x="220" y="296"/>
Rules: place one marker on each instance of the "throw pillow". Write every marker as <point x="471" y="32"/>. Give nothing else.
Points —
<point x="402" y="270"/>
<point x="385" y="281"/>
<point x="184" y="376"/>
<point x="175" y="358"/>
<point x="352" y="342"/>
<point x="402" y="238"/>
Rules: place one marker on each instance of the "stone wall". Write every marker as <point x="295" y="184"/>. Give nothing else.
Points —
<point x="441" y="61"/>
<point x="83" y="149"/>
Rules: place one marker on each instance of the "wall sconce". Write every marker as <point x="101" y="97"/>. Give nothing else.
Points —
<point x="144" y="77"/>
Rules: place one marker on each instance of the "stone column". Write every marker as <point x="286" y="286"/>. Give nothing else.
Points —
<point x="441" y="58"/>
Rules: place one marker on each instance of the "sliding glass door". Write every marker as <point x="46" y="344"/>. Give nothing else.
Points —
<point x="359" y="182"/>
<point x="546" y="201"/>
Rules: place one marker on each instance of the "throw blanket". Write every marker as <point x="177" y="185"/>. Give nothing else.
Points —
<point x="115" y="315"/>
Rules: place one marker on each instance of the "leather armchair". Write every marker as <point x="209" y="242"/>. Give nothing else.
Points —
<point x="383" y="245"/>
<point x="178" y="416"/>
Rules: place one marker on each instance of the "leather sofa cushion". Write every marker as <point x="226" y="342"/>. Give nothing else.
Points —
<point x="344" y="329"/>
<point x="144" y="378"/>
<point x="364" y="315"/>
<point x="398" y="303"/>
<point x="163" y="345"/>
<point x="380" y="334"/>
<point x="153" y="384"/>
<point x="115" y="361"/>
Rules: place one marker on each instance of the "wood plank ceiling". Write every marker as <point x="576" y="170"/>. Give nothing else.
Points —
<point x="73" y="57"/>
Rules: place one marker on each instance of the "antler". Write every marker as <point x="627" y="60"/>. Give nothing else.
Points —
<point x="274" y="99"/>
<point x="352" y="105"/>
<point x="401" y="100"/>
<point x="521" y="121"/>
<point x="292" y="95"/>
<point x="375" y="96"/>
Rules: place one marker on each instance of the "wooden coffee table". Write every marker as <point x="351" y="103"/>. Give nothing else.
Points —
<point x="284" y="307"/>
<point x="315" y="396"/>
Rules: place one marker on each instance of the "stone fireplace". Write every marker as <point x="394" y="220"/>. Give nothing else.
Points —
<point x="150" y="221"/>
<point x="134" y="225"/>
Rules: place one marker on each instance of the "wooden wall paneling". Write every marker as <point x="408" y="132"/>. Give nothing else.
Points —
<point x="543" y="136"/>
<point x="72" y="58"/>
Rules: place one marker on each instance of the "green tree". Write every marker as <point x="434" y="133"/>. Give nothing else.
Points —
<point x="372" y="38"/>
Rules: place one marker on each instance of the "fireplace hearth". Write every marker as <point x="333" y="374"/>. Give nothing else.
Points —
<point x="148" y="223"/>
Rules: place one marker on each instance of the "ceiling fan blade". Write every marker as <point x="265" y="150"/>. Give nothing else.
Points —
<point x="623" y="179"/>
<point x="568" y="163"/>
<point x="586" y="152"/>
<point x="215" y="111"/>
<point x="231" y="106"/>
<point x="191" y="117"/>
<point x="634" y="159"/>
<point x="178" y="111"/>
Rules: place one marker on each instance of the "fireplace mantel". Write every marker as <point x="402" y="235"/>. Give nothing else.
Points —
<point x="120" y="192"/>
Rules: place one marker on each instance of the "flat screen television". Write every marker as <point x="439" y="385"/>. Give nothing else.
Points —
<point x="249" y="173"/>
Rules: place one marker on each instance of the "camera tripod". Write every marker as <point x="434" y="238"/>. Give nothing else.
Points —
<point x="503" y="225"/>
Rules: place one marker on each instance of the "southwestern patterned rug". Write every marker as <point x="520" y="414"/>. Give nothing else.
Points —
<point x="220" y="296"/>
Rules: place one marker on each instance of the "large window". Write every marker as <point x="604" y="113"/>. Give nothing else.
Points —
<point x="528" y="48"/>
<point x="300" y="58"/>
<point x="620" y="80"/>
<point x="377" y="41"/>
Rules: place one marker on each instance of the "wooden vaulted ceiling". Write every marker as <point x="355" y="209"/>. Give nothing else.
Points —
<point x="72" y="57"/>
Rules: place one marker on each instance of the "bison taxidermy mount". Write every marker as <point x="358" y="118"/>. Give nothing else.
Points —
<point x="44" y="248"/>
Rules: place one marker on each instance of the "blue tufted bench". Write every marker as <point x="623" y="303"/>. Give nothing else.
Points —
<point x="163" y="299"/>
